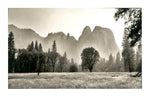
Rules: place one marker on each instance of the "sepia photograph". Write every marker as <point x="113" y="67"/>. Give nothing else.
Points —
<point x="75" y="48"/>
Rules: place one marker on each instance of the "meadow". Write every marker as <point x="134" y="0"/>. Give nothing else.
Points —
<point x="79" y="80"/>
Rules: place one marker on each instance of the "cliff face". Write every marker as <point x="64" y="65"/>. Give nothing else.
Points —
<point x="102" y="39"/>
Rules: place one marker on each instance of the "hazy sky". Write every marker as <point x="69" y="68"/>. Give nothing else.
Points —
<point x="67" y="20"/>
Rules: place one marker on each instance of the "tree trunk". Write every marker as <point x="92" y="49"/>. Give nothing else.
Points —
<point x="90" y="69"/>
<point x="53" y="68"/>
<point x="38" y="72"/>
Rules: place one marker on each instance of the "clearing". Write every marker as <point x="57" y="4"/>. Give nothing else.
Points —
<point x="79" y="80"/>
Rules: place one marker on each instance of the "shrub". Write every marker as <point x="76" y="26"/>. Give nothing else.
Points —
<point x="73" y="68"/>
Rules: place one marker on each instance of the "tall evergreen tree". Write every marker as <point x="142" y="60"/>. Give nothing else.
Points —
<point x="53" y="57"/>
<point x="36" y="46"/>
<point x="110" y="61"/>
<point x="62" y="62"/>
<point x="128" y="54"/>
<point x="72" y="61"/>
<point x="40" y="48"/>
<point x="11" y="52"/>
<point x="118" y="62"/>
<point x="54" y="49"/>
<point x="118" y="58"/>
<point x="30" y="46"/>
<point x="138" y="60"/>
<point x="48" y="61"/>
<point x="110" y="64"/>
<point x="65" y="58"/>
<point x="48" y="50"/>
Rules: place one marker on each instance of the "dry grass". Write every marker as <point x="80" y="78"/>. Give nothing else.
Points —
<point x="97" y="80"/>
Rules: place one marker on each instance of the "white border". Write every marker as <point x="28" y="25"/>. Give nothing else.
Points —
<point x="5" y="4"/>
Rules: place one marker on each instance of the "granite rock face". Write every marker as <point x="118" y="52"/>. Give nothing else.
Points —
<point x="102" y="39"/>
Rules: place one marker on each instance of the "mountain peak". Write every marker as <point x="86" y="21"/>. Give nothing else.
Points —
<point x="100" y="38"/>
<point x="97" y="28"/>
<point x="56" y="34"/>
<point x="12" y="26"/>
<point x="87" y="29"/>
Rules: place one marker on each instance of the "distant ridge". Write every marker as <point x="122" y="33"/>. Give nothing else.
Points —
<point x="100" y="38"/>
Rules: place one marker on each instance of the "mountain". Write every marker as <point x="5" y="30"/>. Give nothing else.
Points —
<point x="102" y="39"/>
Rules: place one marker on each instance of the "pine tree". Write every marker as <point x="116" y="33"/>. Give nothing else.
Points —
<point x="128" y="54"/>
<point x="48" y="61"/>
<point x="48" y="50"/>
<point x="63" y="62"/>
<point x="40" y="48"/>
<point x="53" y="57"/>
<point x="54" y="49"/>
<point x="68" y="34"/>
<point x="29" y="47"/>
<point x="110" y="62"/>
<point x="138" y="60"/>
<point x="36" y="46"/>
<point x="65" y="58"/>
<point x="65" y="55"/>
<point x="32" y="46"/>
<point x="118" y="58"/>
<point x="118" y="63"/>
<point x="11" y="52"/>
<point x="72" y="61"/>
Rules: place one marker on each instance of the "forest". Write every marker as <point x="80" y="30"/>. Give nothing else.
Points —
<point x="34" y="59"/>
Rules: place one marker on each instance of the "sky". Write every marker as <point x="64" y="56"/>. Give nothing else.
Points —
<point x="67" y="20"/>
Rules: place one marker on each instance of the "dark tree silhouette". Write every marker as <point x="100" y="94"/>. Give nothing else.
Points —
<point x="11" y="52"/>
<point x="111" y="60"/>
<point x="49" y="50"/>
<point x="54" y="49"/>
<point x="30" y="46"/>
<point x="128" y="54"/>
<point x="40" y="59"/>
<point x="118" y="62"/>
<point x="62" y="62"/>
<point x="133" y="21"/>
<point x="40" y="48"/>
<point x="138" y="60"/>
<point x="73" y="68"/>
<point x="48" y="61"/>
<point x="89" y="57"/>
<point x="36" y="46"/>
<point x="53" y="56"/>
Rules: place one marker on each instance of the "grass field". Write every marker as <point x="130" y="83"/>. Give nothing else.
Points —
<point x="94" y="80"/>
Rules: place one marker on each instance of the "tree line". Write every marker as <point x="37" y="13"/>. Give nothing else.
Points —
<point x="34" y="59"/>
<point x="132" y="34"/>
